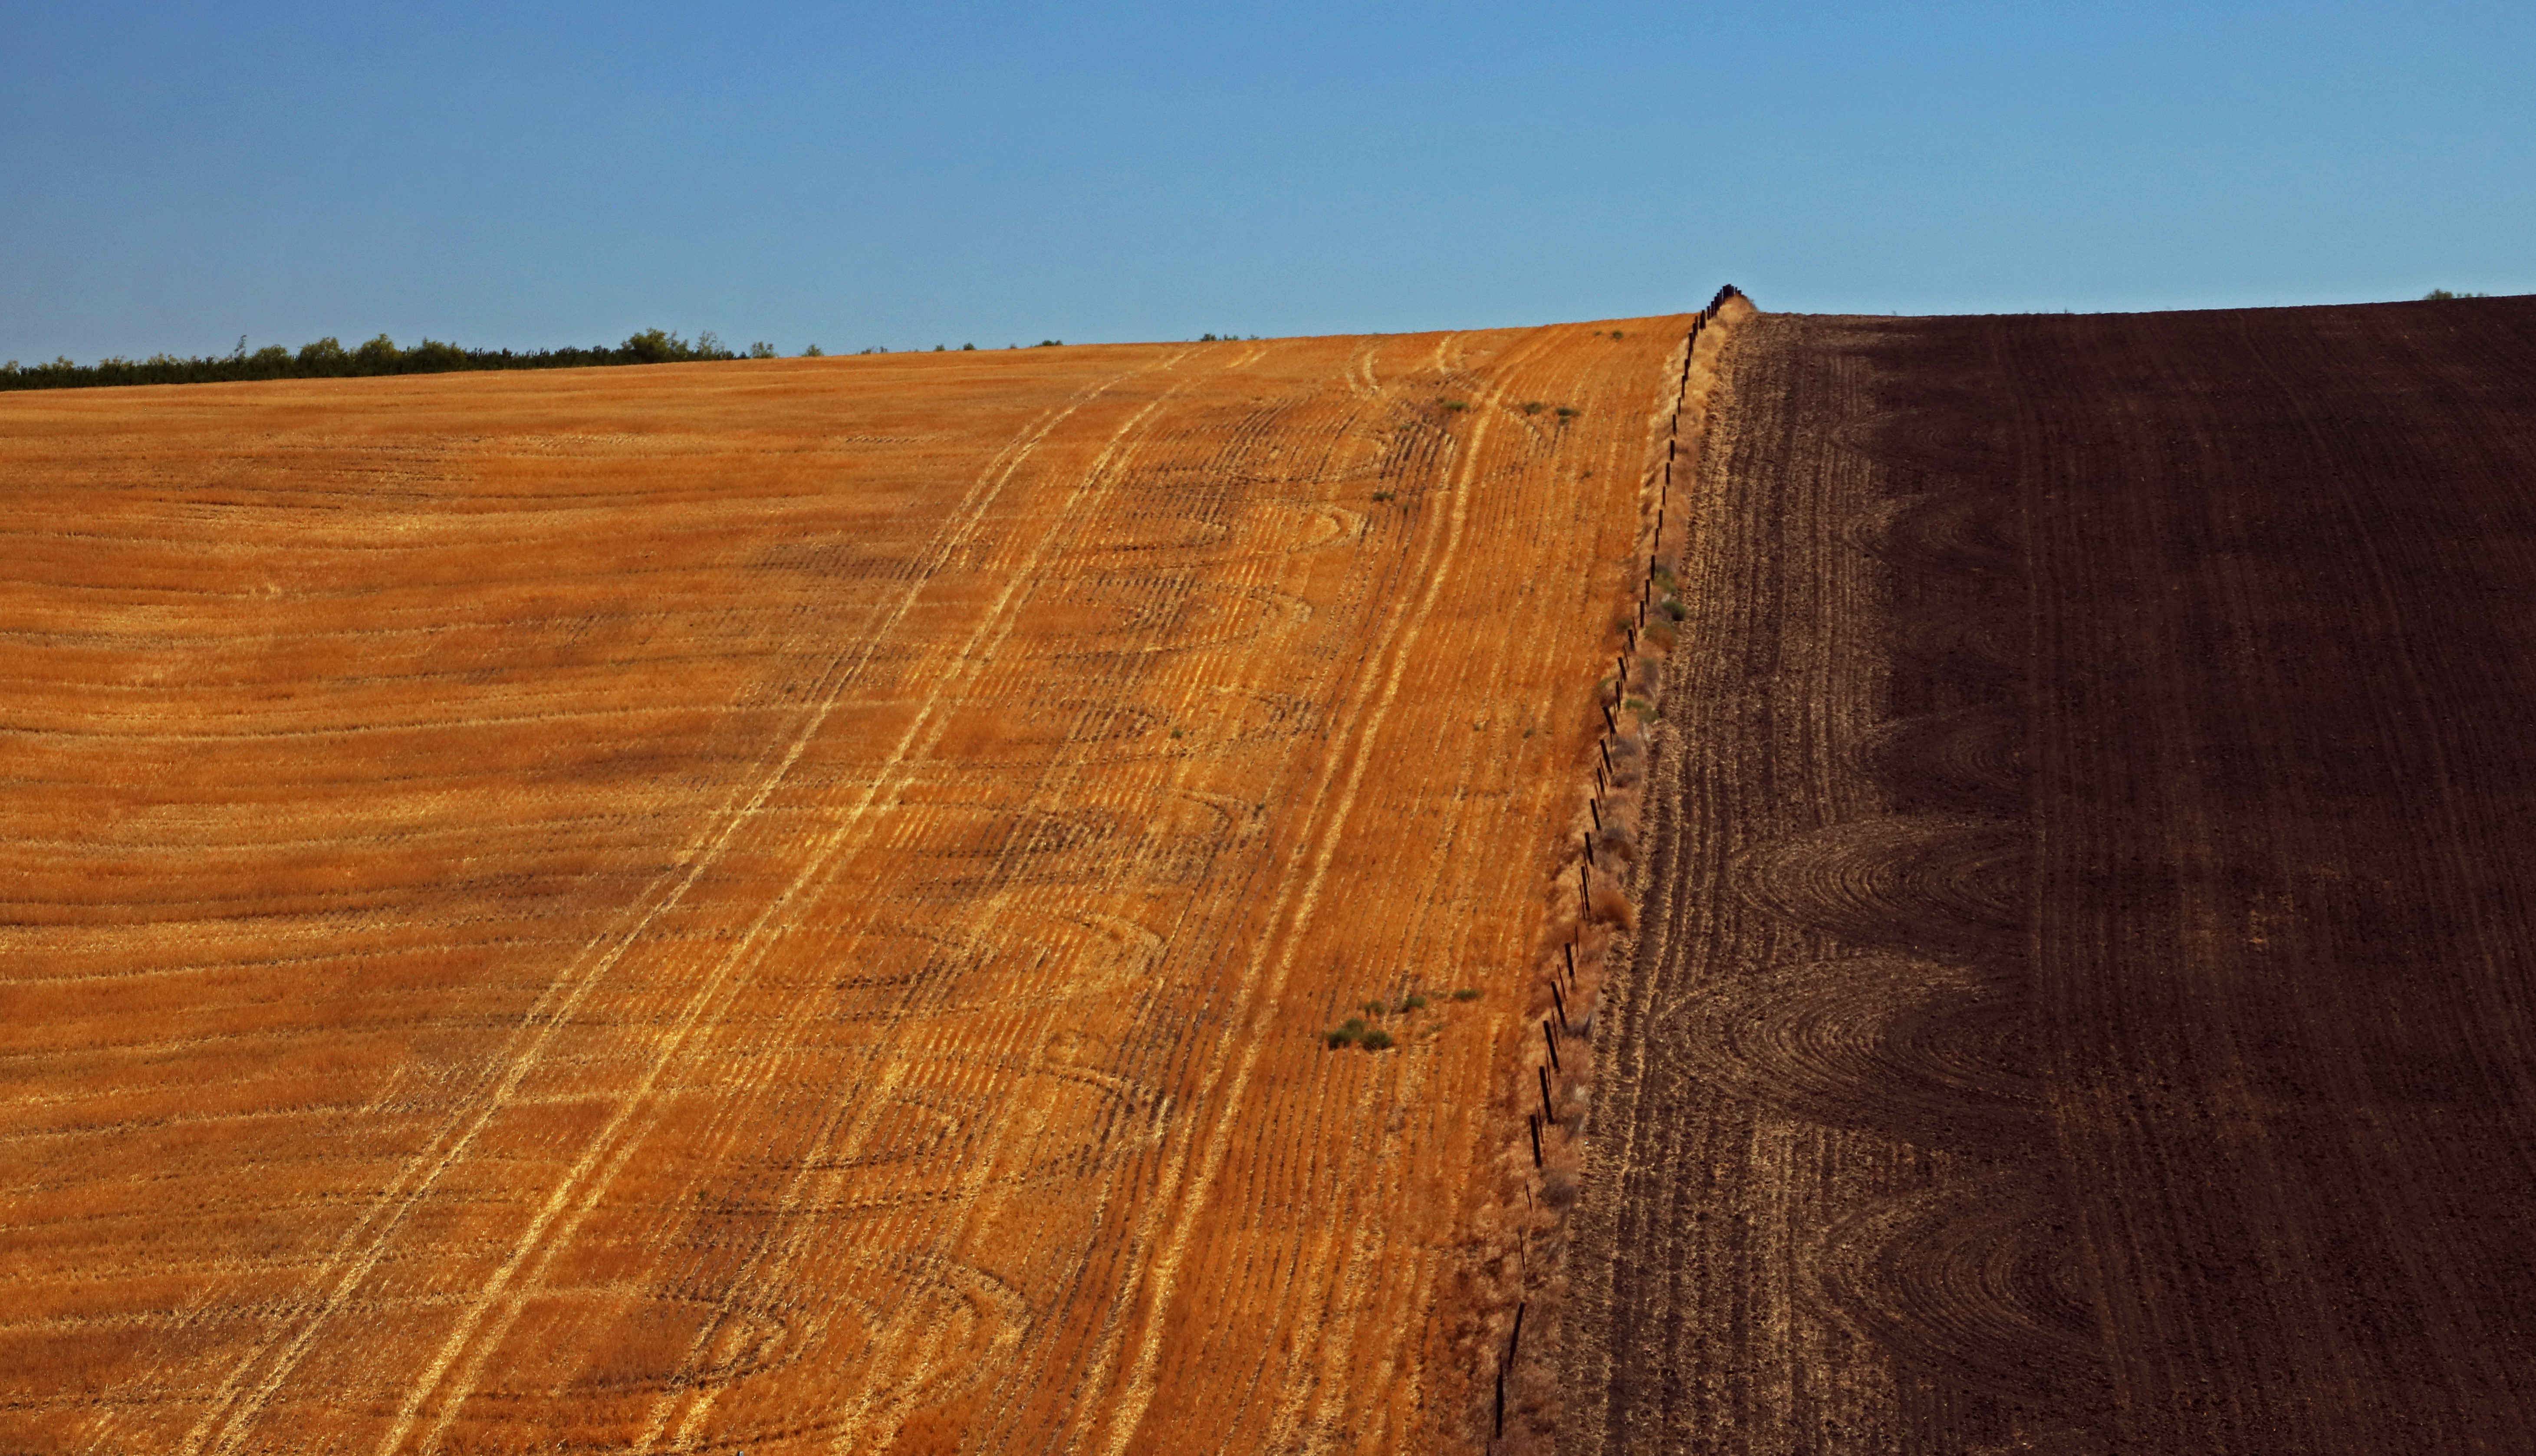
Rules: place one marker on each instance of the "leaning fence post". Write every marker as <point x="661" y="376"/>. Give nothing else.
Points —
<point x="1546" y="1115"/>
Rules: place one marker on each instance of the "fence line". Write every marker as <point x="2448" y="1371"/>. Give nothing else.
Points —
<point x="1548" y="1069"/>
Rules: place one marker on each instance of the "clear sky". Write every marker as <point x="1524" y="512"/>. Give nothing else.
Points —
<point x="524" y="175"/>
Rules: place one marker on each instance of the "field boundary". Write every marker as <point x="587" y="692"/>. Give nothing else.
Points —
<point x="1590" y="911"/>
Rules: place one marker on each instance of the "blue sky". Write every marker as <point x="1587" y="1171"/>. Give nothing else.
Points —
<point x="525" y="174"/>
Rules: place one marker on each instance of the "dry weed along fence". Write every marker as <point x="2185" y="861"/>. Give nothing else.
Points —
<point x="1578" y="941"/>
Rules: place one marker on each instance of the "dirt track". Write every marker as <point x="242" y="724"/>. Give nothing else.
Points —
<point x="2085" y="1001"/>
<point x="790" y="906"/>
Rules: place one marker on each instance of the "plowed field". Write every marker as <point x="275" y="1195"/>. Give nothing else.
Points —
<point x="788" y="906"/>
<point x="2085" y="1003"/>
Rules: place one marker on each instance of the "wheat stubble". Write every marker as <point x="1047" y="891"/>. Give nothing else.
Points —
<point x="784" y="905"/>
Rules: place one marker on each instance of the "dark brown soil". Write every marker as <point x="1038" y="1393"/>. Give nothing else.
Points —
<point x="2085" y="1004"/>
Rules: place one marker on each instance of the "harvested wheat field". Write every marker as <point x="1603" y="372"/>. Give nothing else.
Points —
<point x="2084" y="1004"/>
<point x="788" y="906"/>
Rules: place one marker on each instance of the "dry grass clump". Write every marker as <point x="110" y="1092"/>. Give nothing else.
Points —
<point x="1612" y="906"/>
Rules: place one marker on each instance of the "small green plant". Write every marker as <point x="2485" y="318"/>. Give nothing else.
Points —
<point x="1384" y="494"/>
<point x="1568" y="412"/>
<point x="1466" y="994"/>
<point x="1616" y="333"/>
<point x="1376" y="1039"/>
<point x="1533" y="407"/>
<point x="1175" y="733"/>
<point x="1456" y="406"/>
<point x="1347" y="1031"/>
<point x="1672" y="608"/>
<point x="1413" y="1002"/>
<point x="1373" y="1008"/>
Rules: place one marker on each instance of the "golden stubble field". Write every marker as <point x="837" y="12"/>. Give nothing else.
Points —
<point x="786" y="905"/>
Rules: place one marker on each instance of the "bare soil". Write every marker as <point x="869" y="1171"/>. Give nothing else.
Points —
<point x="2084" y="1003"/>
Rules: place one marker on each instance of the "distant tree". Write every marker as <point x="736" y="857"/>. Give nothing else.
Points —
<point x="431" y="357"/>
<point x="812" y="352"/>
<point x="654" y="347"/>
<point x="762" y="350"/>
<point x="378" y="356"/>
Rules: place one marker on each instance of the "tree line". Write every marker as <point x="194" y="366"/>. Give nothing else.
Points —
<point x="328" y="359"/>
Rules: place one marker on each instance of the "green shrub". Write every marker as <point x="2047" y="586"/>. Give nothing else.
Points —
<point x="1466" y="993"/>
<point x="1373" y="1008"/>
<point x="1375" y="1041"/>
<point x="1413" y="1002"/>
